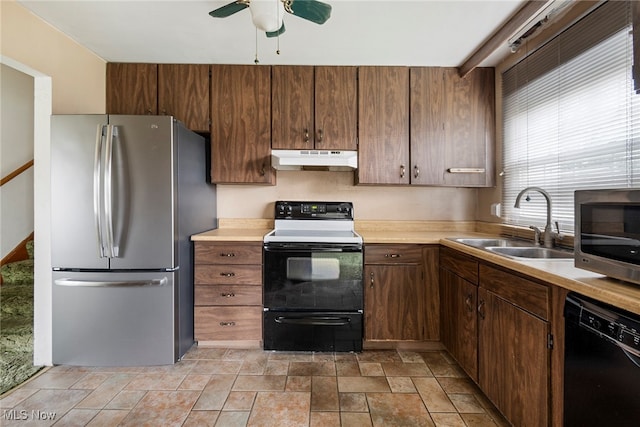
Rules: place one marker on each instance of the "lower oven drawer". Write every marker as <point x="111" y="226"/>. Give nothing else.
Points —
<point x="312" y="331"/>
<point x="228" y="323"/>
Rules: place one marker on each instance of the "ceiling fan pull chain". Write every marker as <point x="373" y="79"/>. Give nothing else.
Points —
<point x="255" y="61"/>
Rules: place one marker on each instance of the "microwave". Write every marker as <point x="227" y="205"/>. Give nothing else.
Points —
<point x="607" y="232"/>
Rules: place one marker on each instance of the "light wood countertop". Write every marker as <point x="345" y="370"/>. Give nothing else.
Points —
<point x="559" y="272"/>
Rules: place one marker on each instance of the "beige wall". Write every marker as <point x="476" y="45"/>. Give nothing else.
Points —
<point x="370" y="202"/>
<point x="78" y="75"/>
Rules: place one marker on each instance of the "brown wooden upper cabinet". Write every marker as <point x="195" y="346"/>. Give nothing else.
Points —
<point x="132" y="88"/>
<point x="383" y="131"/>
<point x="452" y="127"/>
<point x="179" y="90"/>
<point x="183" y="92"/>
<point x="314" y="108"/>
<point x="241" y="124"/>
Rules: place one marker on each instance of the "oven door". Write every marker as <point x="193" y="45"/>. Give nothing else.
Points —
<point x="312" y="277"/>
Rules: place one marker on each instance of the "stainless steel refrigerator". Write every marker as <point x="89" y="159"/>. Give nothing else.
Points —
<point x="127" y="193"/>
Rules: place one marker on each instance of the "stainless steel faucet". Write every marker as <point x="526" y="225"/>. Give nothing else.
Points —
<point x="548" y="232"/>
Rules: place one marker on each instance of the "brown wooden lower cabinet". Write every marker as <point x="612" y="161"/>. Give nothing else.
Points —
<point x="228" y="293"/>
<point x="499" y="330"/>
<point x="459" y="325"/>
<point x="401" y="293"/>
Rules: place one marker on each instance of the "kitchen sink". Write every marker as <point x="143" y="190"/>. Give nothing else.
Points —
<point x="516" y="248"/>
<point x="531" y="252"/>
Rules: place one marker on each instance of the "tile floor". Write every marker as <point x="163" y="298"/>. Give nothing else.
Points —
<point x="227" y="387"/>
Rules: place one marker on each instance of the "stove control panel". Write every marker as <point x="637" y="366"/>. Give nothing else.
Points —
<point x="314" y="210"/>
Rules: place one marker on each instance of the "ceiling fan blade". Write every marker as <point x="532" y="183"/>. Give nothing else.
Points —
<point x="311" y="10"/>
<point x="229" y="9"/>
<point x="276" y="33"/>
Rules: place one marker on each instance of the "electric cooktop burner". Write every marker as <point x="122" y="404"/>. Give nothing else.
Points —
<point x="313" y="222"/>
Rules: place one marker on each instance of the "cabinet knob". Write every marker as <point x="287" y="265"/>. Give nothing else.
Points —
<point x="320" y="135"/>
<point x="223" y="274"/>
<point x="416" y="171"/>
<point x="403" y="170"/>
<point x="306" y="135"/>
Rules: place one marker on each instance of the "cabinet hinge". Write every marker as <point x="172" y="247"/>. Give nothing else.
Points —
<point x="550" y="341"/>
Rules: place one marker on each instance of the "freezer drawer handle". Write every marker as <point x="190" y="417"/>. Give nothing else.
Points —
<point x="314" y="320"/>
<point x="111" y="284"/>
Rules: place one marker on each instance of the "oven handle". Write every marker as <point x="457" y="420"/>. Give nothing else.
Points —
<point x="314" y="320"/>
<point x="314" y="247"/>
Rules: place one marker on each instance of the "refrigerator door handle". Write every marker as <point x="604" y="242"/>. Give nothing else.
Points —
<point x="97" y="186"/>
<point x="112" y="251"/>
<point x="110" y="284"/>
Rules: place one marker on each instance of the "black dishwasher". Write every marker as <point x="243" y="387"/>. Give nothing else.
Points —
<point x="602" y="364"/>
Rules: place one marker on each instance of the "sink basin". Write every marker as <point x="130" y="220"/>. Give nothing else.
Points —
<point x="531" y="252"/>
<point x="490" y="242"/>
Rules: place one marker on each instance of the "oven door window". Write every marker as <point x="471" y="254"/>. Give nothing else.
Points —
<point x="311" y="279"/>
<point x="611" y="231"/>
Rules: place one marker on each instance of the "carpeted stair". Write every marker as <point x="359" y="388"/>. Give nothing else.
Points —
<point x="16" y="322"/>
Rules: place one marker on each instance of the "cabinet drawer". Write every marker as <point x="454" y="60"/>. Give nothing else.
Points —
<point x="220" y="253"/>
<point x="228" y="323"/>
<point x="228" y="295"/>
<point x="526" y="294"/>
<point x="393" y="254"/>
<point x="459" y="264"/>
<point x="214" y="274"/>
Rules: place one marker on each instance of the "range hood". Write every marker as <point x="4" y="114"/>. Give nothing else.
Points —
<point x="333" y="160"/>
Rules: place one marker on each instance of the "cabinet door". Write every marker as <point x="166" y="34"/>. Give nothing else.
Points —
<point x="514" y="360"/>
<point x="452" y="127"/>
<point x="428" y="118"/>
<point x="132" y="88"/>
<point x="241" y="124"/>
<point x="336" y="108"/>
<point x="183" y="92"/>
<point x="459" y="327"/>
<point x="394" y="302"/>
<point x="292" y="107"/>
<point x="470" y="129"/>
<point x="383" y="130"/>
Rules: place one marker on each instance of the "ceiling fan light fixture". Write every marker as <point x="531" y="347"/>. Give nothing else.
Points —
<point x="267" y="15"/>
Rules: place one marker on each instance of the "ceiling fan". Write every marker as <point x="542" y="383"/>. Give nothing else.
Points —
<point x="267" y="15"/>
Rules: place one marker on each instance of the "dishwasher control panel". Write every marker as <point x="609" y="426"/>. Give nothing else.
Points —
<point x="616" y="327"/>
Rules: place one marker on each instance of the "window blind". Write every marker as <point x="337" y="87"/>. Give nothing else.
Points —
<point x="571" y="119"/>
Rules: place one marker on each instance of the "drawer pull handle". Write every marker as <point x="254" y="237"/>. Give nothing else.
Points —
<point x="392" y="255"/>
<point x="402" y="171"/>
<point x="227" y="294"/>
<point x="228" y="255"/>
<point x="227" y="323"/>
<point x="223" y="274"/>
<point x="371" y="284"/>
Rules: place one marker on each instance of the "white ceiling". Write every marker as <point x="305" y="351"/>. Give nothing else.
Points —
<point x="359" y="32"/>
